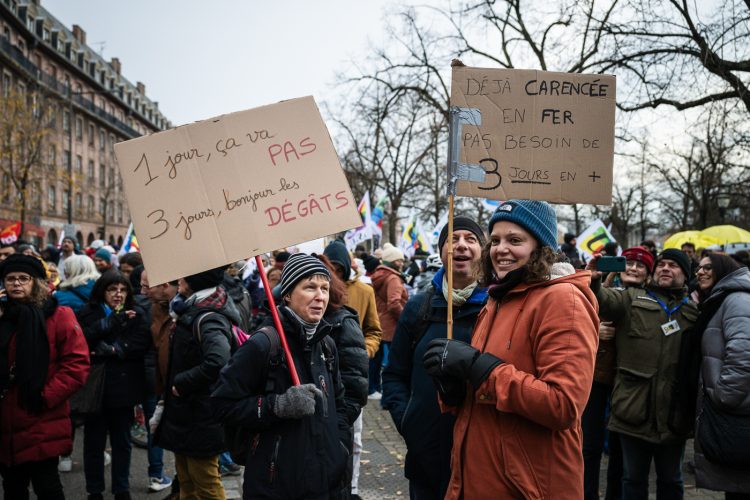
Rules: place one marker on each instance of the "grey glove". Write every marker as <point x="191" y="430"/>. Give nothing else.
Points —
<point x="298" y="401"/>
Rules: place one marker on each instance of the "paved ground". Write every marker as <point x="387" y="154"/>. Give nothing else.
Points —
<point x="381" y="475"/>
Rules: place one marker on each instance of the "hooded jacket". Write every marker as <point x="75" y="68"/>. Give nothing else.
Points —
<point x="75" y="297"/>
<point x="187" y="426"/>
<point x="390" y="298"/>
<point x="519" y="434"/>
<point x="408" y="391"/>
<point x="25" y="437"/>
<point x="362" y="299"/>
<point x="643" y="401"/>
<point x="241" y="298"/>
<point x="289" y="458"/>
<point x="725" y="371"/>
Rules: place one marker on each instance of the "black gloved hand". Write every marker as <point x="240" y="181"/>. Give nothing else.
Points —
<point x="449" y="358"/>
<point x="104" y="349"/>
<point x="453" y="358"/>
<point x="452" y="390"/>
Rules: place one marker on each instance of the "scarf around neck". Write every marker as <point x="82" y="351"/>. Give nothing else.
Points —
<point x="499" y="287"/>
<point x="310" y="328"/>
<point x="460" y="295"/>
<point x="27" y="323"/>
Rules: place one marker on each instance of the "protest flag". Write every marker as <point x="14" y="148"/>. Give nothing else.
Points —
<point x="10" y="234"/>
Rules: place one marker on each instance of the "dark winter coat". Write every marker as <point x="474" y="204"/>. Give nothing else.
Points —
<point x="644" y="403"/>
<point x="390" y="297"/>
<point x="310" y="455"/>
<point x="353" y="360"/>
<point x="124" y="378"/>
<point x="30" y="438"/>
<point x="241" y="298"/>
<point x="725" y="372"/>
<point x="75" y="297"/>
<point x="187" y="426"/>
<point x="408" y="391"/>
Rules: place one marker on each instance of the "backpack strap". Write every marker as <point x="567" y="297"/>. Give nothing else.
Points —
<point x="275" y="356"/>
<point x="197" y="329"/>
<point x="423" y="322"/>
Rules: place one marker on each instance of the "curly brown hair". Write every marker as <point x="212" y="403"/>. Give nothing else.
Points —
<point x="538" y="267"/>
<point x="39" y="292"/>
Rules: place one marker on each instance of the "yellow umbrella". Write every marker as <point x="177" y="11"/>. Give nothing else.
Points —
<point x="727" y="234"/>
<point x="697" y="238"/>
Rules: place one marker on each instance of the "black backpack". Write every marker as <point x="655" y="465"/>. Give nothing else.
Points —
<point x="423" y="313"/>
<point x="238" y="439"/>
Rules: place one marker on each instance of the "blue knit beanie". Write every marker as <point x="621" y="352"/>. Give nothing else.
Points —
<point x="104" y="254"/>
<point x="537" y="217"/>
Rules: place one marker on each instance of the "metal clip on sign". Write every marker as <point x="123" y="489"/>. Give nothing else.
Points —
<point x="462" y="171"/>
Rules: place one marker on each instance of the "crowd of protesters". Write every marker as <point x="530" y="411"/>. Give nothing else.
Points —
<point x="549" y="365"/>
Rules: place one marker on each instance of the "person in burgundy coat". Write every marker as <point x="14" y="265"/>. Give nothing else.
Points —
<point x="44" y="359"/>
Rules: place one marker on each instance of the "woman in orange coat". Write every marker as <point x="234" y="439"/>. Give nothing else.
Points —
<point x="529" y="367"/>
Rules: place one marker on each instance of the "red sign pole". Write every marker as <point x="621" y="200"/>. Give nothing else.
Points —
<point x="277" y="321"/>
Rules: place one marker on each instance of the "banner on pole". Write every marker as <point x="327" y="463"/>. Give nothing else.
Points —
<point x="227" y="188"/>
<point x="593" y="239"/>
<point x="364" y="232"/>
<point x="535" y="134"/>
<point x="10" y="234"/>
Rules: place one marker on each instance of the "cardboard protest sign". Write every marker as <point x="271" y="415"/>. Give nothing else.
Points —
<point x="593" y="239"/>
<point x="538" y="135"/>
<point x="224" y="189"/>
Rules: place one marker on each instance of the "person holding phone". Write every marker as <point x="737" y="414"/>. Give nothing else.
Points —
<point x="639" y="263"/>
<point x="646" y="410"/>
<point x="43" y="361"/>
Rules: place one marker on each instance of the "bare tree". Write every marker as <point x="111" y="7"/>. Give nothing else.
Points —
<point x="24" y="128"/>
<point x="681" y="54"/>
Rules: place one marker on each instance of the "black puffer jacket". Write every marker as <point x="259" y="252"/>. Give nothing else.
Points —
<point x="289" y="458"/>
<point x="353" y="360"/>
<point x="187" y="426"/>
<point x="124" y="379"/>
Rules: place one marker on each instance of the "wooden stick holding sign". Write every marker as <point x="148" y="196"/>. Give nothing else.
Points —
<point x="277" y="321"/>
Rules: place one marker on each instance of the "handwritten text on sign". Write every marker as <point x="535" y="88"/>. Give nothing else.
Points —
<point x="224" y="189"/>
<point x="543" y="135"/>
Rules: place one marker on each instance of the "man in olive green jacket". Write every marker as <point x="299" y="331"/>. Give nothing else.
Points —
<point x="650" y="325"/>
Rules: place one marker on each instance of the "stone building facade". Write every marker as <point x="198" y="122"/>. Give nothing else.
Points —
<point x="93" y="107"/>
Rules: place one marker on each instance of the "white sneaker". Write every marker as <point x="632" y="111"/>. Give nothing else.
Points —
<point x="375" y="396"/>
<point x="107" y="459"/>
<point x="159" y="483"/>
<point x="65" y="464"/>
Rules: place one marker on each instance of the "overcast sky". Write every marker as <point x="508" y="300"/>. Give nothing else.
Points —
<point x="200" y="59"/>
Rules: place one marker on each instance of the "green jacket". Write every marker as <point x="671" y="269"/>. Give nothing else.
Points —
<point x="643" y="402"/>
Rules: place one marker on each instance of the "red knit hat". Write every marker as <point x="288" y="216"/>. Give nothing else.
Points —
<point x="641" y="254"/>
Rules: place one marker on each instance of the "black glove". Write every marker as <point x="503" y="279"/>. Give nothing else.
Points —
<point x="452" y="390"/>
<point x="453" y="358"/>
<point x="104" y="349"/>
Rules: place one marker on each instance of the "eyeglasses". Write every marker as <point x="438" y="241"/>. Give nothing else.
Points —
<point x="705" y="267"/>
<point x="115" y="291"/>
<point x="23" y="280"/>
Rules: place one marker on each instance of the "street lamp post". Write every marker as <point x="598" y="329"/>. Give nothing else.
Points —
<point x="723" y="200"/>
<point x="71" y="124"/>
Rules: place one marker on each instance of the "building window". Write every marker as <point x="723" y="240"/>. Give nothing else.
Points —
<point x="102" y="176"/>
<point x="66" y="121"/>
<point x="79" y="128"/>
<point x="36" y="196"/>
<point x="79" y="204"/>
<point x="52" y="199"/>
<point x="110" y="211"/>
<point x="66" y="161"/>
<point x="119" y="213"/>
<point x="6" y="84"/>
<point x="79" y="165"/>
<point x="46" y="35"/>
<point x="111" y="174"/>
<point x="91" y="134"/>
<point x="102" y="140"/>
<point x="65" y="200"/>
<point x="91" y="171"/>
<point x="52" y="159"/>
<point x="102" y="206"/>
<point x="111" y="143"/>
<point x="5" y="189"/>
<point x="90" y="207"/>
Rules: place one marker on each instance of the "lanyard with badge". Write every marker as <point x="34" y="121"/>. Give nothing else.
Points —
<point x="670" y="326"/>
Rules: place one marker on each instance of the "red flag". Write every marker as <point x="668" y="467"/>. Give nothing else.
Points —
<point x="10" y="234"/>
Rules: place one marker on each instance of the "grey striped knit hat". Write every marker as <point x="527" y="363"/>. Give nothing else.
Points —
<point x="300" y="266"/>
